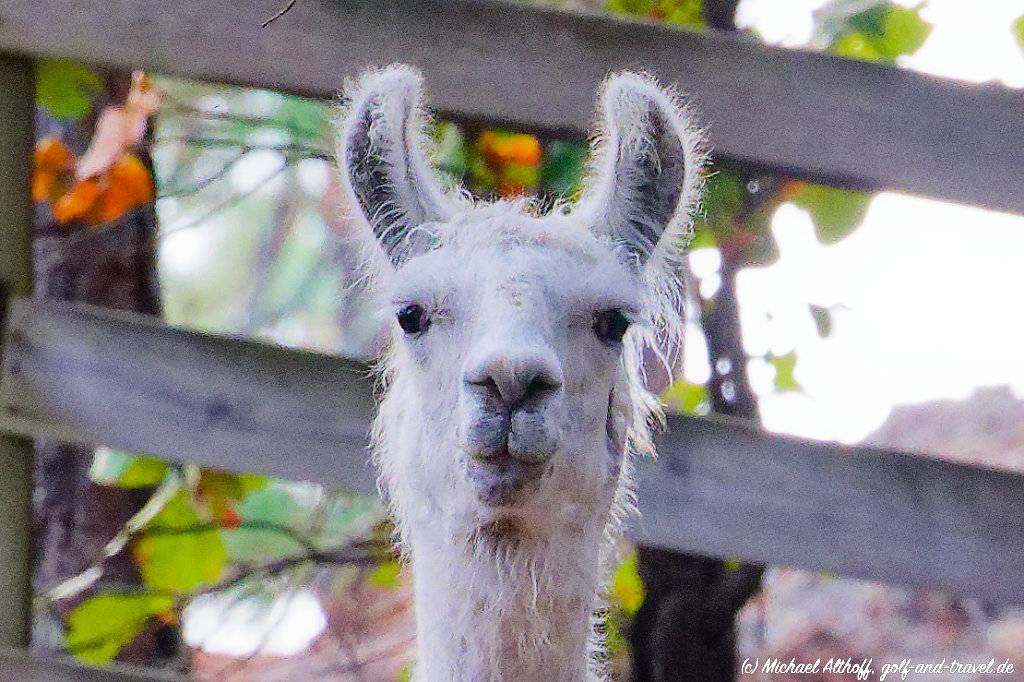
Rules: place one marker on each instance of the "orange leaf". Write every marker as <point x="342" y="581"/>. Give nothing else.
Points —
<point x="505" y="148"/>
<point x="52" y="154"/>
<point x="126" y="185"/>
<point x="77" y="202"/>
<point x="133" y="178"/>
<point x="43" y="183"/>
<point x="54" y="163"/>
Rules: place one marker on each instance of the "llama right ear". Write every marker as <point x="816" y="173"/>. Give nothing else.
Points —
<point x="384" y="166"/>
<point x="645" y="170"/>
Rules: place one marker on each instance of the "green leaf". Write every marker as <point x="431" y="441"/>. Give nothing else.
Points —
<point x="822" y="320"/>
<point x="683" y="396"/>
<point x="856" y="45"/>
<point x="347" y="517"/>
<point x="101" y="626"/>
<point x="179" y="553"/>
<point x="904" y="33"/>
<point x="452" y="156"/>
<point x="631" y="6"/>
<point x="66" y="89"/>
<point x="387" y="575"/>
<point x="684" y="12"/>
<point x="274" y="505"/>
<point x="882" y="32"/>
<point x="1018" y="30"/>
<point x="627" y="591"/>
<point x="723" y="195"/>
<point x="127" y="470"/>
<point x="564" y="167"/>
<point x="520" y="174"/>
<point x="703" y="238"/>
<point x="836" y="212"/>
<point x="144" y="472"/>
<point x="221" y="489"/>
<point x="784" y="366"/>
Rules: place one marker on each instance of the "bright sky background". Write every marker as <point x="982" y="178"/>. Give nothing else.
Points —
<point x="931" y="289"/>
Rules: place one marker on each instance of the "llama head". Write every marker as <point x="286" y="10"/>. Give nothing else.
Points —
<point x="514" y="394"/>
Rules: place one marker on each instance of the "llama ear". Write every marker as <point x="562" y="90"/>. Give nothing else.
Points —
<point x="646" y="169"/>
<point x="384" y="166"/>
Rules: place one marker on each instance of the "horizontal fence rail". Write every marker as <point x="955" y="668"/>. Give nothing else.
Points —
<point x="718" y="487"/>
<point x="94" y="376"/>
<point x="810" y="115"/>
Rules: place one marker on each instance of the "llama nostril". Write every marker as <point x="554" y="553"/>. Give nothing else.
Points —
<point x="540" y="386"/>
<point x="487" y="385"/>
<point x="514" y="383"/>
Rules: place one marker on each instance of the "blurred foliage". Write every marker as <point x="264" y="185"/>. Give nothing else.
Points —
<point x="178" y="553"/>
<point x="102" y="625"/>
<point x="785" y="366"/>
<point x="627" y="591"/>
<point x="836" y="212"/>
<point x="1018" y="30"/>
<point x="66" y="89"/>
<point x="871" y="31"/>
<point x="688" y="398"/>
<point x="109" y="179"/>
<point x="678" y="12"/>
<point x="822" y="320"/>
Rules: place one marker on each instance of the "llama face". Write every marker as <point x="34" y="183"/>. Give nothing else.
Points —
<point x="526" y="335"/>
<point x="515" y="337"/>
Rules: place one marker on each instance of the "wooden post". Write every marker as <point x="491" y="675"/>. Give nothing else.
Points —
<point x="17" y="126"/>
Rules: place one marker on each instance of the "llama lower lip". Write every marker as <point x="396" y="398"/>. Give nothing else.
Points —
<point x="503" y="481"/>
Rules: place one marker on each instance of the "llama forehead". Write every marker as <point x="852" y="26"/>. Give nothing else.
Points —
<point x="521" y="260"/>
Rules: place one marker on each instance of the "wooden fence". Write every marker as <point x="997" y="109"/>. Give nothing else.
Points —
<point x="720" y="487"/>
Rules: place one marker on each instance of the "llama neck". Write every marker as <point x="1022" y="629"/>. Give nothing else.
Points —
<point x="487" y="612"/>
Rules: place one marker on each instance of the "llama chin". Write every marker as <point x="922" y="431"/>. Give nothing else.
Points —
<point x="513" y="398"/>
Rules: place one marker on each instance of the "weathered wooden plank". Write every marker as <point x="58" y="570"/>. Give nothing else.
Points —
<point x="74" y="373"/>
<point x="718" y="487"/>
<point x="19" y="667"/>
<point x="806" y="114"/>
<point x="725" y="489"/>
<point x="17" y="128"/>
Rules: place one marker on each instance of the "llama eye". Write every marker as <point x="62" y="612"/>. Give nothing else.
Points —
<point x="610" y="325"/>
<point x="412" y="319"/>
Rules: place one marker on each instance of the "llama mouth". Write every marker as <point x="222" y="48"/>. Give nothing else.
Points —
<point x="502" y="481"/>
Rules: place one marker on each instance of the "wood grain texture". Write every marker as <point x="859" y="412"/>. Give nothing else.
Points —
<point x="126" y="381"/>
<point x="19" y="667"/>
<point x="17" y="129"/>
<point x="810" y="115"/>
<point x="718" y="487"/>
<point x="725" y="489"/>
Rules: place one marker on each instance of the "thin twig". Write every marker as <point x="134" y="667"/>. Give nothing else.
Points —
<point x="291" y="3"/>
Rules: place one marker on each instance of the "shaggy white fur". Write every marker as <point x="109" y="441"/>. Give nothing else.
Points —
<point x="509" y="419"/>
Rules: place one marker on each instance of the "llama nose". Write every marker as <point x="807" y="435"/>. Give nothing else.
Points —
<point x="516" y="381"/>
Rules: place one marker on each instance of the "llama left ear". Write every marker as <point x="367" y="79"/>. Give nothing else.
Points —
<point x="646" y="169"/>
<point x="384" y="166"/>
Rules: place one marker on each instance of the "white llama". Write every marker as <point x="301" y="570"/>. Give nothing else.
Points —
<point x="513" y="400"/>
